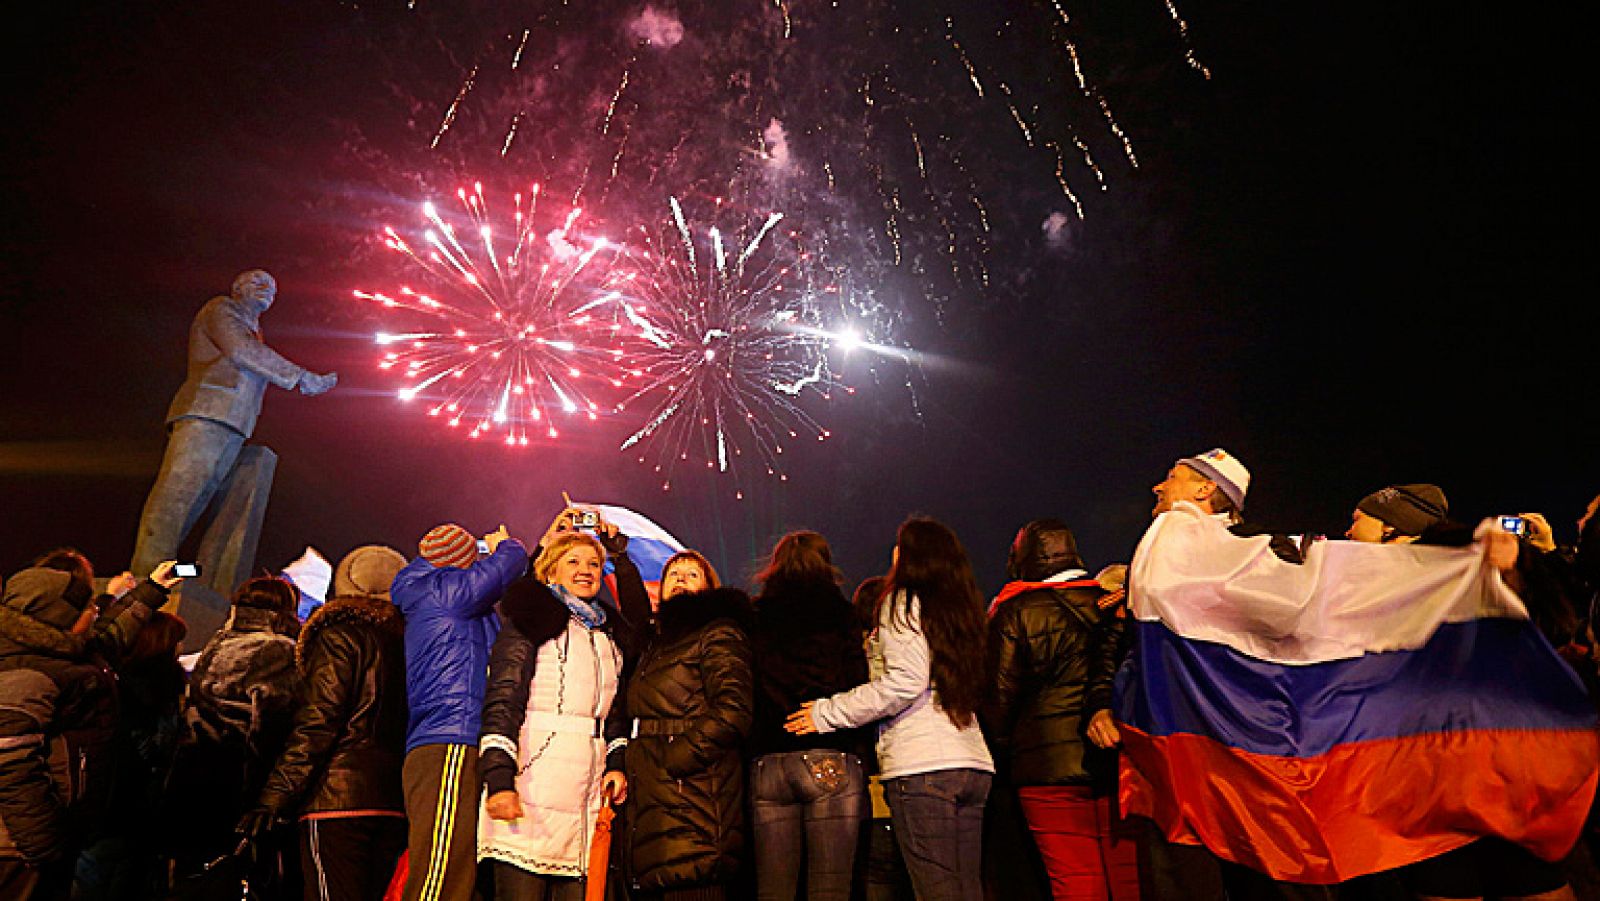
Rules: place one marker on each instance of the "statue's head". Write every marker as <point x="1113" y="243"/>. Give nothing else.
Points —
<point x="256" y="288"/>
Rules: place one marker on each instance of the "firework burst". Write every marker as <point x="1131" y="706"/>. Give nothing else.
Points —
<point x="505" y="339"/>
<point x="728" y="339"/>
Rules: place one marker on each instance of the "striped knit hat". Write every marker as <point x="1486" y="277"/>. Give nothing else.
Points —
<point x="449" y="545"/>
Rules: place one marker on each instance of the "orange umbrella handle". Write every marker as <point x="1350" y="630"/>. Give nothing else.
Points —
<point x="599" y="853"/>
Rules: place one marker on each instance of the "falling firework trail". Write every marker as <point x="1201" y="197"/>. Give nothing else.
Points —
<point x="1016" y="115"/>
<point x="972" y="73"/>
<point x="1061" y="179"/>
<point x="511" y="134"/>
<point x="605" y="126"/>
<point x="1188" y="43"/>
<point x="1092" y="93"/>
<point x="788" y="27"/>
<point x="450" y="114"/>
<point x="516" y="58"/>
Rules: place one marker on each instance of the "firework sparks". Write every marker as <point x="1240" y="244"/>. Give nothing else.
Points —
<point x="728" y="340"/>
<point x="455" y="105"/>
<point x="508" y="334"/>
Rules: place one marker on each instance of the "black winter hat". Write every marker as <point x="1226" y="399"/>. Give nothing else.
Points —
<point x="1408" y="508"/>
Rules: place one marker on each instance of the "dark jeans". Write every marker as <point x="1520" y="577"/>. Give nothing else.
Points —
<point x="938" y="818"/>
<point x="808" y="809"/>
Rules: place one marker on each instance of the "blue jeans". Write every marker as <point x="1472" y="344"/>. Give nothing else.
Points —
<point x="938" y="818"/>
<point x="808" y="809"/>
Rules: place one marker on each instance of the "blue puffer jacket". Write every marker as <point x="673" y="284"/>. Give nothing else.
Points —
<point x="450" y="626"/>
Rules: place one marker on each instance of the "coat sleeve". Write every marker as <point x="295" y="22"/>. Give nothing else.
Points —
<point x="472" y="592"/>
<point x="246" y="349"/>
<point x="729" y="682"/>
<point x="505" y="706"/>
<point x="30" y="807"/>
<point x="319" y="721"/>
<point x="116" y="628"/>
<point x="1006" y="667"/>
<point x="1108" y="644"/>
<point x="633" y="600"/>
<point x="906" y="676"/>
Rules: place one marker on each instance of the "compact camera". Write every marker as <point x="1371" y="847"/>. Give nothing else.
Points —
<point x="585" y="519"/>
<point x="483" y="546"/>
<point x="186" y="570"/>
<point x="1516" y="525"/>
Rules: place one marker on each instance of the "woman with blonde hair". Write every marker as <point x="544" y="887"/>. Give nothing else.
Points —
<point x="552" y="738"/>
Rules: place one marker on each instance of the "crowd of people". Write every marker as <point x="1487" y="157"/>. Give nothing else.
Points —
<point x="495" y="718"/>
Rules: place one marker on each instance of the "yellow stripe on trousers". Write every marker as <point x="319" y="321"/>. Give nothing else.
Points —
<point x="444" y="820"/>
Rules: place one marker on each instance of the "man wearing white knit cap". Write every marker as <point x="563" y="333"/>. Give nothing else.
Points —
<point x="1215" y="481"/>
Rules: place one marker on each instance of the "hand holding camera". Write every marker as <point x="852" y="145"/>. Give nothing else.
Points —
<point x="492" y="540"/>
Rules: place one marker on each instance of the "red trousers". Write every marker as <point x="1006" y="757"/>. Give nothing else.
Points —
<point x="1088" y="854"/>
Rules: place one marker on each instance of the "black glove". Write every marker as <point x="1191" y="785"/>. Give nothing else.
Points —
<point x="615" y="545"/>
<point x="257" y="824"/>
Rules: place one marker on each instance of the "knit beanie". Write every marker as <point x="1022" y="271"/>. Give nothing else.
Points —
<point x="449" y="545"/>
<point x="1408" y="508"/>
<point x="367" y="572"/>
<point x="1225" y="469"/>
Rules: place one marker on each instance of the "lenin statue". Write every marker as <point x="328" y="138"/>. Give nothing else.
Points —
<point x="215" y="411"/>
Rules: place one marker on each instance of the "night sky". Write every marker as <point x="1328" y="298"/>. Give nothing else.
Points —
<point x="1352" y="257"/>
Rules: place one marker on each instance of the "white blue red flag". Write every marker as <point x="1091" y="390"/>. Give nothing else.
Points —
<point x="1373" y="707"/>
<point x="649" y="545"/>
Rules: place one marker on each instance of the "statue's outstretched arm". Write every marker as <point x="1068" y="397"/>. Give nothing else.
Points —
<point x="238" y="340"/>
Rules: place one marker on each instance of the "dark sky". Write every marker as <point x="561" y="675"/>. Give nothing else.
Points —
<point x="1353" y="257"/>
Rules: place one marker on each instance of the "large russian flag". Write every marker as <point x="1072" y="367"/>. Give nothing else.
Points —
<point x="649" y="545"/>
<point x="1374" y="707"/>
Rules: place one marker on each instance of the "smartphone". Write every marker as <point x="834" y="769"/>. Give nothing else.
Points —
<point x="483" y="546"/>
<point x="186" y="570"/>
<point x="1516" y="525"/>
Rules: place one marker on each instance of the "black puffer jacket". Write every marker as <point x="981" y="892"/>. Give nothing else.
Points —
<point x="1051" y="657"/>
<point x="348" y="740"/>
<point x="58" y="709"/>
<point x="807" y="646"/>
<point x="693" y="696"/>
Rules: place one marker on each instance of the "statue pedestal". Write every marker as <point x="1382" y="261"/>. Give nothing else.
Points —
<point x="202" y="609"/>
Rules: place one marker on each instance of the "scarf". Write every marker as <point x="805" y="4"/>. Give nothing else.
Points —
<point x="590" y="613"/>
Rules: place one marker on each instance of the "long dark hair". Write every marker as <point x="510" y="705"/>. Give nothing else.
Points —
<point x="798" y="556"/>
<point x="932" y="566"/>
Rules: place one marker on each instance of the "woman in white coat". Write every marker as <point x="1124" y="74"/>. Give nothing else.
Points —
<point x="551" y="745"/>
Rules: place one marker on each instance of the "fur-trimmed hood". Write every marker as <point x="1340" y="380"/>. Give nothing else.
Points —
<point x="686" y="614"/>
<point x="532" y="608"/>
<point x="379" y="614"/>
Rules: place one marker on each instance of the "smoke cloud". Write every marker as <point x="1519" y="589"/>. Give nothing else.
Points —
<point x="657" y="28"/>
<point x="777" y="144"/>
<point x="1057" y="228"/>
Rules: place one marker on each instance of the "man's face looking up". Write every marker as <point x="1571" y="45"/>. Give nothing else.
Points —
<point x="1182" y="484"/>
